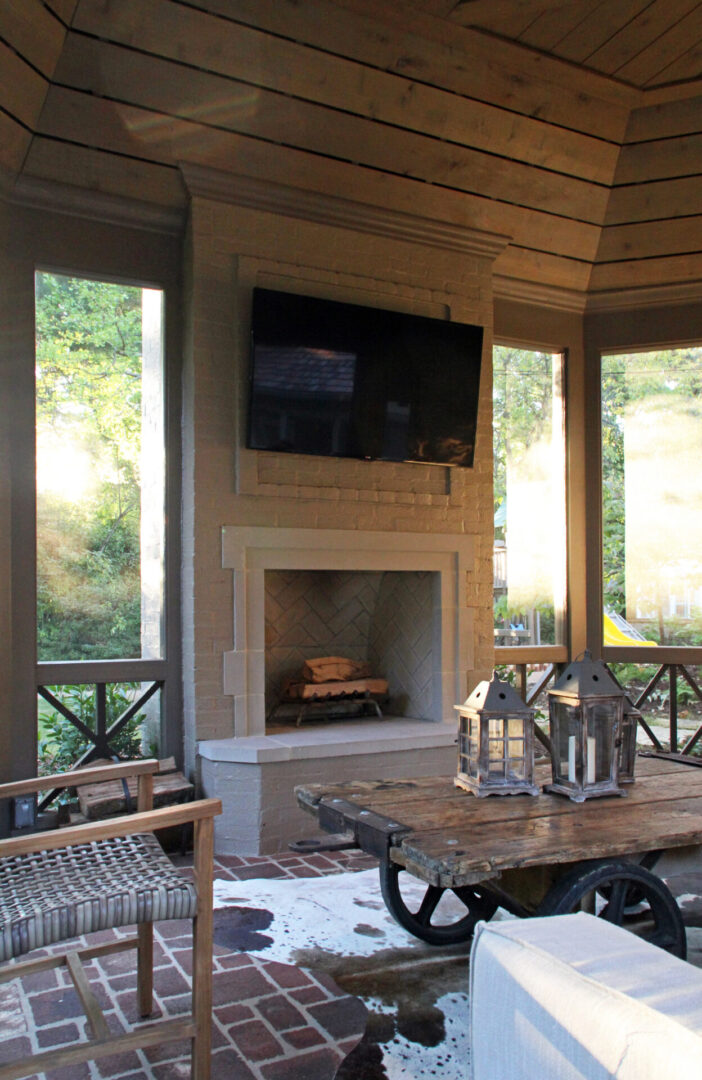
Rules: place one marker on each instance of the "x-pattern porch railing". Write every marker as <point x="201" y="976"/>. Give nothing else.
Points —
<point x="102" y="737"/>
<point x="674" y="672"/>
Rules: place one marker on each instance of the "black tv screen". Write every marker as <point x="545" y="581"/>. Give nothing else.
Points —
<point x="348" y="381"/>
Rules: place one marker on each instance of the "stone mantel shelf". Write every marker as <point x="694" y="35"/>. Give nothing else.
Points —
<point x="340" y="739"/>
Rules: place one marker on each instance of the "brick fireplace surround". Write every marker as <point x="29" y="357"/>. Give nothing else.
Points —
<point x="248" y="514"/>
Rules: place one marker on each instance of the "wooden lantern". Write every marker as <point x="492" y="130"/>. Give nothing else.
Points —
<point x="495" y="742"/>
<point x="586" y="713"/>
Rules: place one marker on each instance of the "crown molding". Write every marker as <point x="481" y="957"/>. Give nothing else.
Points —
<point x="532" y="292"/>
<point x="38" y="194"/>
<point x="550" y="296"/>
<point x="267" y="195"/>
<point x="683" y="292"/>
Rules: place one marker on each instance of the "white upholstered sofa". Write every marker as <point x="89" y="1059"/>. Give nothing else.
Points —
<point x="572" y="997"/>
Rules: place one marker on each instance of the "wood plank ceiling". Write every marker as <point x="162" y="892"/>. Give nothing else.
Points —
<point x="574" y="128"/>
<point x="645" y="43"/>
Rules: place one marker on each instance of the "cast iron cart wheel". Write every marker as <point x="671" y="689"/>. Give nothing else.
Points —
<point x="477" y="904"/>
<point x="625" y="894"/>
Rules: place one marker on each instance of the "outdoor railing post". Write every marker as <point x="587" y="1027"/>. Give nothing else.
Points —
<point x="673" y="706"/>
<point x="522" y="681"/>
<point x="101" y="746"/>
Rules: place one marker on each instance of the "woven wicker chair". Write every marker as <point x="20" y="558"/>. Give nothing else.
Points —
<point x="62" y="884"/>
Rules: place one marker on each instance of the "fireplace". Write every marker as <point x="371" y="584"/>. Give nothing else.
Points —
<point x="381" y="620"/>
<point x="396" y="600"/>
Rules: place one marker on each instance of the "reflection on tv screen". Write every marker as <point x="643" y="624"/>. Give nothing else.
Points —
<point x="342" y="380"/>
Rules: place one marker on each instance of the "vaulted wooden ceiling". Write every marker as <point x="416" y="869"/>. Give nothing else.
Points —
<point x="573" y="128"/>
<point x="644" y="43"/>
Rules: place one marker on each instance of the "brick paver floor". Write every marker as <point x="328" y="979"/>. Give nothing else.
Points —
<point x="271" y="1021"/>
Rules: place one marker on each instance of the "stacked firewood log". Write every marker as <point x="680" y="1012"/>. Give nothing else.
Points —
<point x="334" y="676"/>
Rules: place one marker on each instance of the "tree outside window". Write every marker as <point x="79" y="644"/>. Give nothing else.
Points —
<point x="652" y="494"/>
<point x="100" y="495"/>
<point x="529" y="497"/>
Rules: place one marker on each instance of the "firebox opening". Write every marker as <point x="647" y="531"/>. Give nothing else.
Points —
<point x="383" y="621"/>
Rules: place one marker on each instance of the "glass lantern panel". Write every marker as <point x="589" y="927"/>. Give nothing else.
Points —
<point x="468" y="749"/>
<point x="517" y="768"/>
<point x="496" y="727"/>
<point x="600" y="720"/>
<point x="515" y="749"/>
<point x="566" y="734"/>
<point x="496" y="758"/>
<point x="515" y="727"/>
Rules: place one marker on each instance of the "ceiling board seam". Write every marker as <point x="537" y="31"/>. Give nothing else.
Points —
<point x="649" y="221"/>
<point x="576" y="65"/>
<point x="674" y="84"/>
<point x="647" y="258"/>
<point x="370" y="120"/>
<point x="104" y="150"/>
<point x="335" y="108"/>
<point x="47" y="79"/>
<point x="655" y="180"/>
<point x="364" y="64"/>
<point x="516" y="47"/>
<point x="551" y="254"/>
<point x="548" y="124"/>
<point x="23" y="58"/>
<point x="616" y="34"/>
<point x="579" y="24"/>
<point x="665" y="93"/>
<point x="55" y="15"/>
<point x="691" y="51"/>
<point x="656" y="41"/>
<point x="16" y="119"/>
<point x="663" y="138"/>
<point x="315" y="153"/>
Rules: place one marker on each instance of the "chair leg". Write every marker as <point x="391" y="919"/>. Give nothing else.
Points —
<point x="145" y="968"/>
<point x="202" y="949"/>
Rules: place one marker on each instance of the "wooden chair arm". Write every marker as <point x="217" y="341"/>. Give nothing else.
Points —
<point x="89" y="775"/>
<point x="124" y="825"/>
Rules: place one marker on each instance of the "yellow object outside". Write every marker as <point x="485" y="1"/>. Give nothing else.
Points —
<point x="613" y="635"/>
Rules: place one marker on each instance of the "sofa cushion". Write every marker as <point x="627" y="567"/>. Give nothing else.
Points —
<point x="572" y="997"/>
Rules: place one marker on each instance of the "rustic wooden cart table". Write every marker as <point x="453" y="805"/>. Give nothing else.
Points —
<point x="533" y="855"/>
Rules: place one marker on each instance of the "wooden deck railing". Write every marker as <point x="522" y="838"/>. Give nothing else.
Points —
<point x="673" y="672"/>
<point x="101" y="738"/>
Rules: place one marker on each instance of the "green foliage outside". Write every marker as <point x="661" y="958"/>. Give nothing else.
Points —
<point x="522" y="405"/>
<point x="88" y="376"/>
<point x="522" y="400"/>
<point x="672" y="379"/>
<point x="88" y="399"/>
<point x="61" y="744"/>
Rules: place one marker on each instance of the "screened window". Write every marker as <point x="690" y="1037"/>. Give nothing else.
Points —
<point x="652" y="497"/>
<point x="100" y="470"/>
<point x="529" y="493"/>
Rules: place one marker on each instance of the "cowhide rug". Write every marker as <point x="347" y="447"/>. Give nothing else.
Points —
<point x="416" y="994"/>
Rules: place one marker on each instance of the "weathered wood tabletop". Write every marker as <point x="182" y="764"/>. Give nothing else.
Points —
<point x="448" y="837"/>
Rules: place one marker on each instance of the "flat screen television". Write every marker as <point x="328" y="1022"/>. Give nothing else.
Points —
<point x="343" y="380"/>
